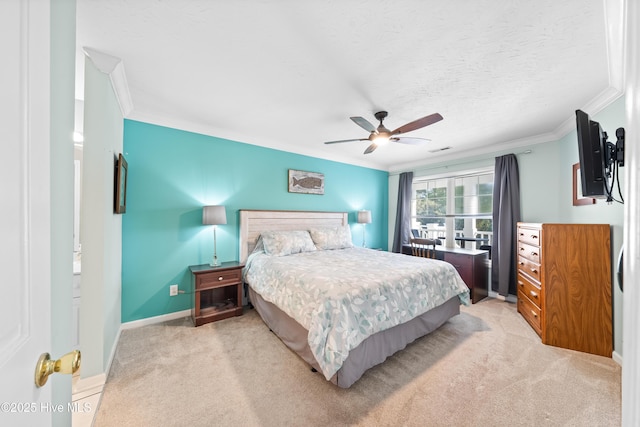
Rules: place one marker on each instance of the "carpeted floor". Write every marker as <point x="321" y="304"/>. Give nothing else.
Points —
<point x="485" y="367"/>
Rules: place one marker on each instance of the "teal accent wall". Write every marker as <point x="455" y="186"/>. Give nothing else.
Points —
<point x="173" y="174"/>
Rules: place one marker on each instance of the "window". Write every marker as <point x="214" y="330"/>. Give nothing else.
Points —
<point x="463" y="203"/>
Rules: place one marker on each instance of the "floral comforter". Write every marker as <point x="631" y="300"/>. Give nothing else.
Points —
<point x="343" y="296"/>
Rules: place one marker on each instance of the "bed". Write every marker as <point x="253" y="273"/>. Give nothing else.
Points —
<point x="342" y="309"/>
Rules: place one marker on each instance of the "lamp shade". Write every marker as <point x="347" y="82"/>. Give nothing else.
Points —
<point x="214" y="215"/>
<point x="364" y="217"/>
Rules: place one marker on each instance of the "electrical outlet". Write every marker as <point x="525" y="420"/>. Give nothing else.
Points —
<point x="173" y="290"/>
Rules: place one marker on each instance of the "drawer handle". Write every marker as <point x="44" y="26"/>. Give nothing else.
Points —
<point x="522" y="249"/>
<point x="521" y="263"/>
<point x="220" y="278"/>
<point x="534" y="253"/>
<point x="533" y="313"/>
<point x="520" y="283"/>
<point x="533" y="236"/>
<point x="533" y="294"/>
<point x="533" y="270"/>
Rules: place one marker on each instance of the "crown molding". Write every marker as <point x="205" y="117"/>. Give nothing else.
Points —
<point x="474" y="154"/>
<point x="114" y="67"/>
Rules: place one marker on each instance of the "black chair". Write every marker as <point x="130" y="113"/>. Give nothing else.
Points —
<point x="415" y="232"/>
<point x="486" y="248"/>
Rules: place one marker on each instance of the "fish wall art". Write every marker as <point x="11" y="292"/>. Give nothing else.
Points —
<point x="306" y="182"/>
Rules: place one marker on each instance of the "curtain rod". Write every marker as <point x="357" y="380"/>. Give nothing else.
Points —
<point x="460" y="163"/>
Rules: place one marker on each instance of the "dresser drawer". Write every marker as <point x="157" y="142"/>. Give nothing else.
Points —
<point x="529" y="251"/>
<point x="530" y="236"/>
<point x="530" y="312"/>
<point x="530" y="290"/>
<point x="218" y="278"/>
<point x="529" y="267"/>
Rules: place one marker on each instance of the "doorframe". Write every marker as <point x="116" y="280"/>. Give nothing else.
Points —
<point x="631" y="245"/>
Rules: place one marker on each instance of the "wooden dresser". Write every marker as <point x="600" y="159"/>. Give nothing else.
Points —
<point x="564" y="284"/>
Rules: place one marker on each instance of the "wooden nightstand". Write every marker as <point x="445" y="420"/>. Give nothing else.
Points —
<point x="217" y="292"/>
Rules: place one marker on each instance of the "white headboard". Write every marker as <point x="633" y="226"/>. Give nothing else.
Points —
<point x="252" y="223"/>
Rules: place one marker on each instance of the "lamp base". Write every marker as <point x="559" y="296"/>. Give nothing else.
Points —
<point x="214" y="262"/>
<point x="364" y="235"/>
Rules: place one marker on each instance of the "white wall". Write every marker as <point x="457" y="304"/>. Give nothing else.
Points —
<point x="101" y="229"/>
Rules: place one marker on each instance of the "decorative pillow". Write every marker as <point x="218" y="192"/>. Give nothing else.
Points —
<point x="281" y="243"/>
<point x="332" y="238"/>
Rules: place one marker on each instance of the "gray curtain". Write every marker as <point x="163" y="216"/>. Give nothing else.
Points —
<point x="403" y="215"/>
<point x="506" y="214"/>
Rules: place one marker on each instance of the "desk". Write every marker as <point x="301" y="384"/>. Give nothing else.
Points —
<point x="470" y="263"/>
<point x="463" y="239"/>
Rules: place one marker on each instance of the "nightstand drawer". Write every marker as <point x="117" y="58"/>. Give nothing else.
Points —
<point x="218" y="278"/>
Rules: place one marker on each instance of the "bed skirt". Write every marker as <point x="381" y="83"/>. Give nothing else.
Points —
<point x="372" y="351"/>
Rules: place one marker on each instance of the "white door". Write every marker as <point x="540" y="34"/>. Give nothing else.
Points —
<point x="25" y="246"/>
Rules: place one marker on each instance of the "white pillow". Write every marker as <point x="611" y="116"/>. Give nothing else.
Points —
<point x="281" y="243"/>
<point x="332" y="237"/>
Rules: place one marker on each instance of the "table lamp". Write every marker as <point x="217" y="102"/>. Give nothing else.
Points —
<point x="214" y="215"/>
<point x="364" y="217"/>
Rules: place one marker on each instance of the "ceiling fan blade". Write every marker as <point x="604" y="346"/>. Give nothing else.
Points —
<point x="364" y="124"/>
<point x="371" y="148"/>
<point x="417" y="124"/>
<point x="346" y="140"/>
<point x="410" y="141"/>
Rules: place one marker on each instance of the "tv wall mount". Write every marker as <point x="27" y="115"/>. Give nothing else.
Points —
<point x="613" y="159"/>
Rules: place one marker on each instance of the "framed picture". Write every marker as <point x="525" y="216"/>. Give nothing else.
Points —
<point x="306" y="182"/>
<point x="120" y="200"/>
<point x="578" y="200"/>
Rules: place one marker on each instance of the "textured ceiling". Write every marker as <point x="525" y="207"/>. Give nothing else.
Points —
<point x="288" y="74"/>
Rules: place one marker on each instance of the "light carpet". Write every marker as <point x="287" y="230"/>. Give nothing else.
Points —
<point x="485" y="367"/>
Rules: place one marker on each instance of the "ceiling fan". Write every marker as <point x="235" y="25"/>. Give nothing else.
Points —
<point x="381" y="134"/>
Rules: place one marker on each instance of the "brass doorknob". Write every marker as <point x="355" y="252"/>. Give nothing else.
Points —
<point x="67" y="364"/>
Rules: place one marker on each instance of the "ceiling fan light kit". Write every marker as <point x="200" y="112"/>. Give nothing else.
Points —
<point x="381" y="135"/>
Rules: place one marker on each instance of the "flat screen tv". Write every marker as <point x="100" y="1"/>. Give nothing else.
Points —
<point x="592" y="149"/>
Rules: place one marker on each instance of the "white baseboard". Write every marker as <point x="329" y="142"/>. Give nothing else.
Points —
<point x="112" y="353"/>
<point x="157" y="319"/>
<point x="83" y="387"/>
<point x="617" y="357"/>
<point x="508" y="298"/>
